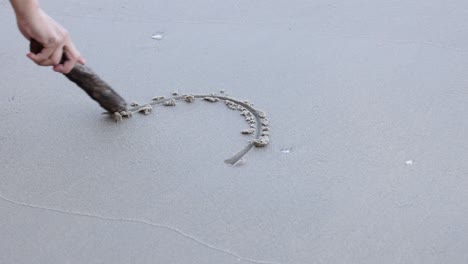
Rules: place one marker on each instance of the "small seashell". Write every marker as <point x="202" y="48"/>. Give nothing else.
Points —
<point x="286" y="150"/>
<point x="158" y="36"/>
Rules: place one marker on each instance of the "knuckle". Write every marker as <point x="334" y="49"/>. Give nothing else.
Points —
<point x="59" y="40"/>
<point x="63" y="37"/>
<point x="52" y="40"/>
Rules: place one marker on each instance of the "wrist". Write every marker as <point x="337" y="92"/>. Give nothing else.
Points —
<point x="25" y="8"/>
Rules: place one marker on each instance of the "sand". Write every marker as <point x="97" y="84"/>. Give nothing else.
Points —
<point x="366" y="104"/>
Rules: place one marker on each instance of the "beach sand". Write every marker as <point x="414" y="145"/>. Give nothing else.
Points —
<point x="367" y="107"/>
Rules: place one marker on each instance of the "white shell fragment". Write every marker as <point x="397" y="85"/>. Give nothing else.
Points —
<point x="210" y="99"/>
<point x="157" y="98"/>
<point x="285" y="150"/>
<point x="158" y="36"/>
<point x="170" y="102"/>
<point x="133" y="104"/>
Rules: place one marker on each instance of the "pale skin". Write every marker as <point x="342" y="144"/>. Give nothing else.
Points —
<point x="34" y="23"/>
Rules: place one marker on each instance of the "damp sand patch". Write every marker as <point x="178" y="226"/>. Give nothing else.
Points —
<point x="257" y="120"/>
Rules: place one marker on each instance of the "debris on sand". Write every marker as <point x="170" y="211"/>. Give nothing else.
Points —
<point x="170" y="102"/>
<point x="146" y="109"/>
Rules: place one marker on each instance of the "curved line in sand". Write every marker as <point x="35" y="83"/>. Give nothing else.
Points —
<point x="261" y="120"/>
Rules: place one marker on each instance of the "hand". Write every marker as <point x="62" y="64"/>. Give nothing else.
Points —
<point x="53" y="37"/>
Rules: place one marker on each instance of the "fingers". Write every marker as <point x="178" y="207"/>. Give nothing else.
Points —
<point x="48" y="56"/>
<point x="71" y="51"/>
<point x="66" y="67"/>
<point x="82" y="61"/>
<point x="73" y="56"/>
<point x="53" y="57"/>
<point x="44" y="58"/>
<point x="56" y="57"/>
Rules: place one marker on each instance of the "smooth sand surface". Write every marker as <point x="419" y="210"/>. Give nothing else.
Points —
<point x="367" y="163"/>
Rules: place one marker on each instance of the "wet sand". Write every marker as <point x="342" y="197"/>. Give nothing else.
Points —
<point x="366" y="103"/>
